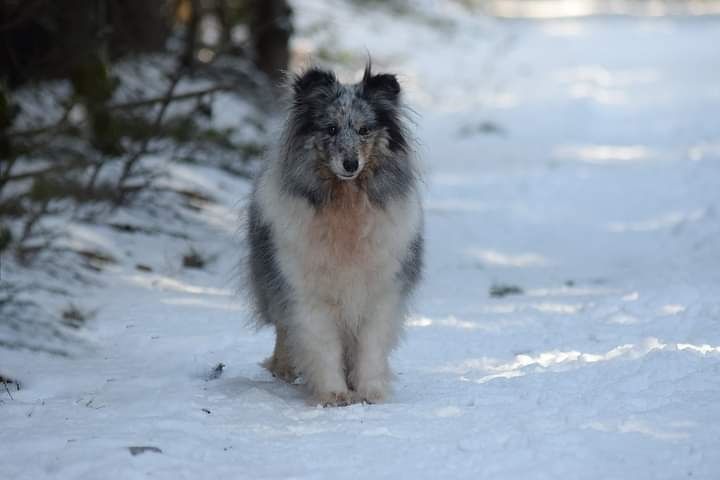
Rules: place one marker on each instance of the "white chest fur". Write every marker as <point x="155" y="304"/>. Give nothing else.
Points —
<point x="344" y="254"/>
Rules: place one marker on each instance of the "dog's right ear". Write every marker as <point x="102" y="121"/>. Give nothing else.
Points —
<point x="312" y="80"/>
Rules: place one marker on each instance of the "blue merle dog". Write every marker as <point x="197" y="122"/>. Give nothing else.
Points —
<point x="336" y="236"/>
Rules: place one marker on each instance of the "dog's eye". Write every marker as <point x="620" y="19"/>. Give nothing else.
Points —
<point x="332" y="130"/>
<point x="363" y="131"/>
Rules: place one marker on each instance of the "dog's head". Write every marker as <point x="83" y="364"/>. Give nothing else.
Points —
<point x="347" y="130"/>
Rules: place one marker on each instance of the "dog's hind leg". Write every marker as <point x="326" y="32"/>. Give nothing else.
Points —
<point x="279" y="363"/>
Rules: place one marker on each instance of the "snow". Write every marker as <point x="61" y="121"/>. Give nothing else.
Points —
<point x="594" y="191"/>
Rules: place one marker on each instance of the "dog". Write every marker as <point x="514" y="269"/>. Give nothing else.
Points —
<point x="335" y="234"/>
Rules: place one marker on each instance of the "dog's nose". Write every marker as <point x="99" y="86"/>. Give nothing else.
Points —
<point x="350" y="165"/>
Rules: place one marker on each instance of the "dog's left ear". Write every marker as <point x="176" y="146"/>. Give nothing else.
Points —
<point x="383" y="85"/>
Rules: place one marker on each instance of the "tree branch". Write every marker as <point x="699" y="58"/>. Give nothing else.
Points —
<point x="130" y="163"/>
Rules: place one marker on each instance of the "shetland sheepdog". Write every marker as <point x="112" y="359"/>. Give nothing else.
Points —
<point x="335" y="233"/>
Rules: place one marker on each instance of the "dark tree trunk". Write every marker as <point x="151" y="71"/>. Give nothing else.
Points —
<point x="49" y="38"/>
<point x="191" y="35"/>
<point x="270" y="29"/>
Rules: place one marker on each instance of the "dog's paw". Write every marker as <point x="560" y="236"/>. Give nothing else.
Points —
<point x="334" y="399"/>
<point x="371" y="392"/>
<point x="281" y="370"/>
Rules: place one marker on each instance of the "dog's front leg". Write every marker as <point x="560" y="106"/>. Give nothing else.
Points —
<point x="315" y="344"/>
<point x="377" y="337"/>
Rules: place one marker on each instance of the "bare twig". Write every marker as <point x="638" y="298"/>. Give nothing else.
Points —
<point x="130" y="163"/>
<point x="59" y="126"/>
<point x="173" y="98"/>
<point x="34" y="217"/>
<point x="5" y="174"/>
<point x="54" y="128"/>
<point x="44" y="171"/>
<point x="7" y="389"/>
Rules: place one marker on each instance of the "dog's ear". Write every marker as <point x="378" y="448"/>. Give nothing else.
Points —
<point x="312" y="80"/>
<point x="383" y="85"/>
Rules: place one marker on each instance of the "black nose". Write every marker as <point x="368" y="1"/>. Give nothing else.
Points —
<point x="350" y="165"/>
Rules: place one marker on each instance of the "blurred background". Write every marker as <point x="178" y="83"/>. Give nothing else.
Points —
<point x="91" y="93"/>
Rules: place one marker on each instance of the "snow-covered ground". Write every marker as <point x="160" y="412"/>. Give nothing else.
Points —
<point x="576" y="160"/>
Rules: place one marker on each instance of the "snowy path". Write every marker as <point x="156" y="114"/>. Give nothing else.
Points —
<point x="578" y="160"/>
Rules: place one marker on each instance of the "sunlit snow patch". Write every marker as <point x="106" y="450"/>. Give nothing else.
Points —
<point x="173" y="284"/>
<point x="203" y="303"/>
<point x="605" y="154"/>
<point x="500" y="259"/>
<point x="570" y="291"/>
<point x="556" y="359"/>
<point x="636" y="426"/>
<point x="672" y="309"/>
<point x="665" y="221"/>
